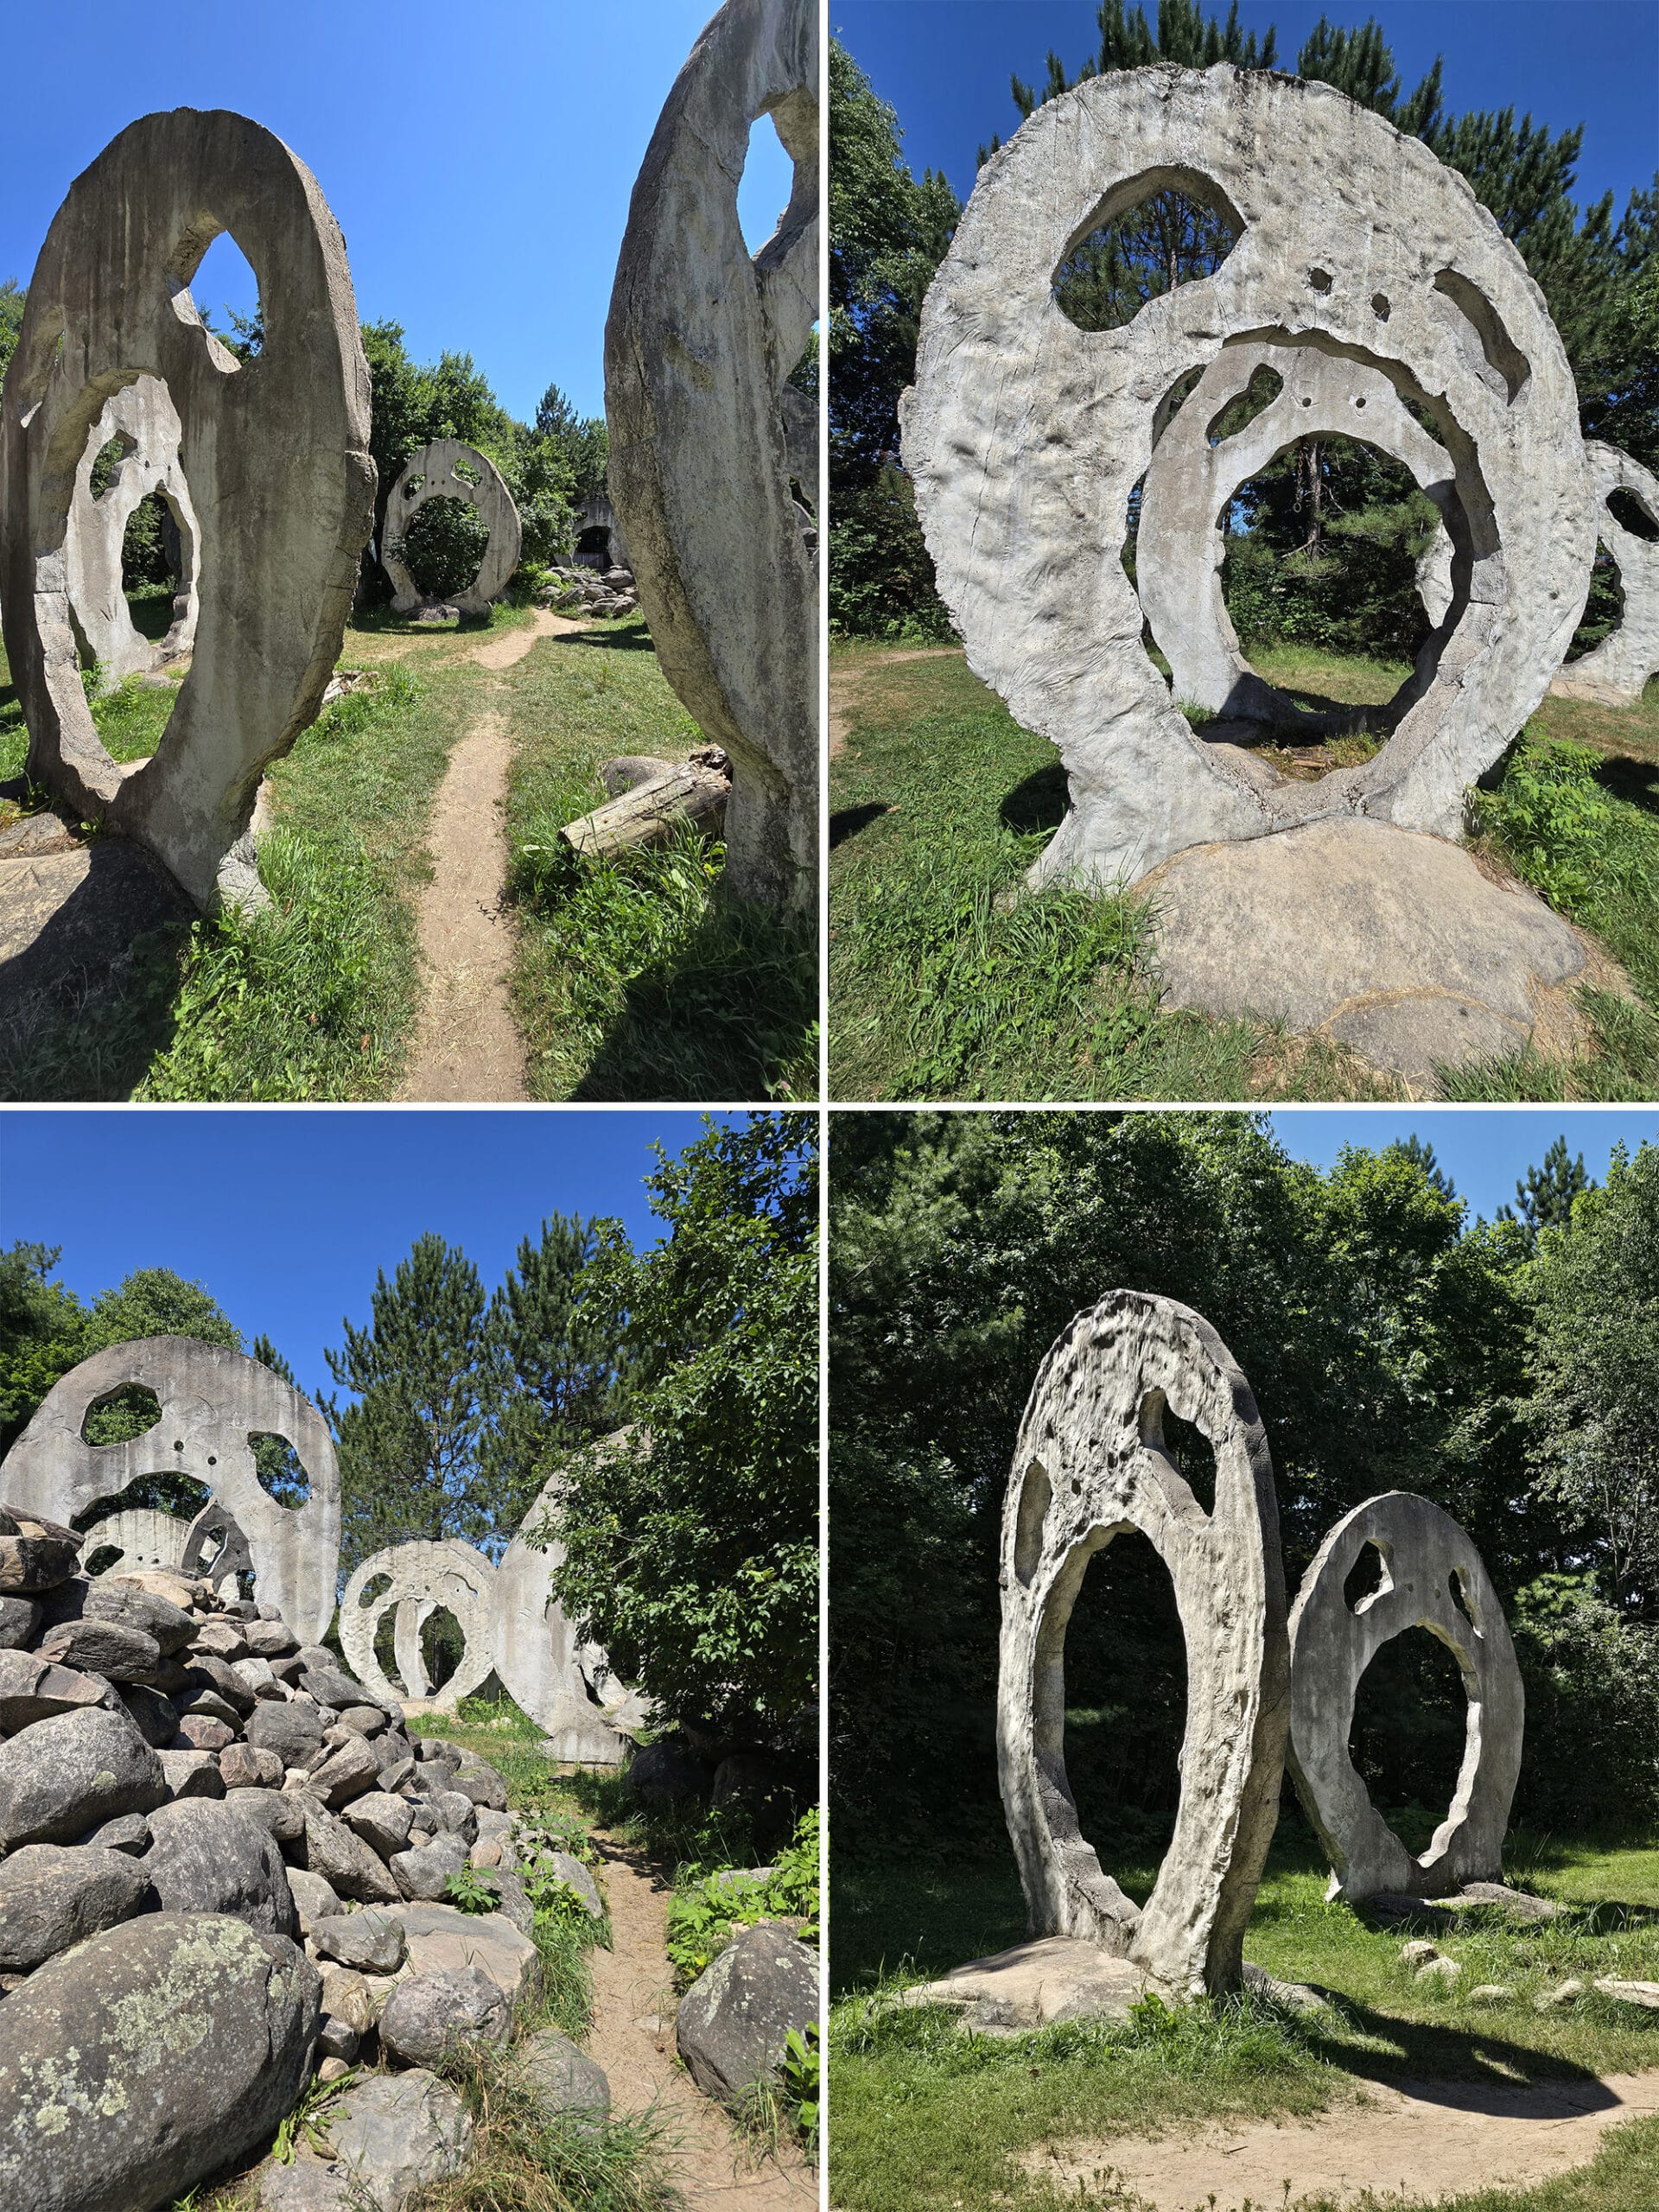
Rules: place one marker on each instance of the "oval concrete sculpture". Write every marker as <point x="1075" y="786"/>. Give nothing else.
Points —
<point x="699" y="342"/>
<point x="275" y="452"/>
<point x="1025" y="437"/>
<point x="1190" y="483"/>
<point x="142" y="417"/>
<point x="448" y="469"/>
<point x="1090" y="1466"/>
<point x="213" y="1403"/>
<point x="449" y="1573"/>
<point x="1615" y="673"/>
<point x="140" y="1536"/>
<point x="1427" y="1574"/>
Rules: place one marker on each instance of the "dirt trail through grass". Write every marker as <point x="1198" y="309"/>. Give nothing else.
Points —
<point x="844" y="683"/>
<point x="632" y="2039"/>
<point x="1419" y="2140"/>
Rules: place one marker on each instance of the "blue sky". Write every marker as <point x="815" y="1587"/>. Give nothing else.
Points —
<point x="1485" y="1153"/>
<point x="286" y="1217"/>
<point x="479" y="159"/>
<point x="944" y="66"/>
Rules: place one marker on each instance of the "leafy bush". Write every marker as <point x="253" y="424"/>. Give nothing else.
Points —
<point x="708" y="1910"/>
<point x="443" y="546"/>
<point x="880" y="572"/>
<point x="1592" y="1757"/>
<point x="1567" y="833"/>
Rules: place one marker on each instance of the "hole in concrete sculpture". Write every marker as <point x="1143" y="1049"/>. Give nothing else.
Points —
<point x="1380" y="306"/>
<point x="1458" y="1583"/>
<point x="1035" y="1496"/>
<point x="467" y="472"/>
<point x="109" y="458"/>
<point x="442" y="1645"/>
<point x="101" y="1560"/>
<point x="173" y="1492"/>
<point x="1319" y="279"/>
<point x="280" y="1469"/>
<point x="1263" y="388"/>
<point x="444" y="545"/>
<point x="1629" y="511"/>
<point x="1367" y="1579"/>
<point x="226" y="294"/>
<point x="1150" y="234"/>
<point x="412" y="486"/>
<point x="1186" y="1446"/>
<point x="1125" y="1661"/>
<point x="766" y="186"/>
<point x="1604" y="606"/>
<point x="1506" y="367"/>
<point x="1411" y="1735"/>
<point x="120" y="1415"/>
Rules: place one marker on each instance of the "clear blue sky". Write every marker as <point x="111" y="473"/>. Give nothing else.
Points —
<point x="478" y="158"/>
<point x="944" y="66"/>
<point x="286" y="1217"/>
<point x="1485" y="1153"/>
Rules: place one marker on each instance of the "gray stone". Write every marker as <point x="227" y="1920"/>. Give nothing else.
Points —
<point x="51" y="1897"/>
<point x="191" y="1773"/>
<point x="291" y="1731"/>
<point x="220" y="1639"/>
<point x="246" y="1766"/>
<point x="576" y="1876"/>
<point x="440" y="1937"/>
<point x="142" y="417"/>
<point x="1492" y="1993"/>
<point x="347" y="1996"/>
<point x="20" y="1618"/>
<point x="370" y="1941"/>
<point x="1643" y="1994"/>
<point x="1438" y="1973"/>
<point x="276" y="457"/>
<point x="1412" y="278"/>
<point x="155" y="1717"/>
<point x="512" y="1900"/>
<point x="330" y="1688"/>
<point x="396" y="2136"/>
<point x="565" y="2081"/>
<point x="482" y="1784"/>
<point x="1561" y="1998"/>
<point x="36" y="1553"/>
<point x="213" y="1401"/>
<point x="349" y="1770"/>
<point x="128" y="1832"/>
<point x="1090" y="1463"/>
<point x="270" y="1639"/>
<point x="1427" y="1574"/>
<point x="433" y="2014"/>
<point x="423" y="1873"/>
<point x="1398" y="946"/>
<point x="314" y="1899"/>
<point x="446" y="468"/>
<point x="203" y="1732"/>
<point x="338" y="2038"/>
<point x="33" y="1688"/>
<point x="455" y="1814"/>
<point x="208" y="1857"/>
<point x="699" y="343"/>
<point x="1615" y="673"/>
<point x="381" y="1820"/>
<point x="281" y="1815"/>
<point x="154" y="2055"/>
<point x="132" y="1607"/>
<point x="732" y="2021"/>
<point x="363" y="1720"/>
<point x="205" y="1671"/>
<point x="65" y="1774"/>
<point x="344" y="1859"/>
<point x="1035" y="1985"/>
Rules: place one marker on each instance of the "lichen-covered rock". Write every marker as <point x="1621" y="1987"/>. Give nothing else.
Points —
<point x="433" y="2014"/>
<point x="52" y="1895"/>
<point x="732" y="2023"/>
<point x="441" y="1938"/>
<point x="206" y="1856"/>
<point x="64" y="1776"/>
<point x="36" y="1554"/>
<point x="148" y="2058"/>
<point x="564" y="2078"/>
<point x="394" y="2135"/>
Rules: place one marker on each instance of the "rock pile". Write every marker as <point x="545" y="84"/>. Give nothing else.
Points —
<point x="591" y="591"/>
<point x="224" y="1869"/>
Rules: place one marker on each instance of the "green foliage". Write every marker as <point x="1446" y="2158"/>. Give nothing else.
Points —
<point x="309" y="2120"/>
<point x="707" y="1911"/>
<point x="471" y="1892"/>
<point x="691" y="1543"/>
<point x="799" y="2071"/>
<point x="1545" y="1195"/>
<point x="554" y="1902"/>
<point x="582" y="443"/>
<point x="443" y="546"/>
<point x="11" y="320"/>
<point x="1592" y="1751"/>
<point x="880" y="580"/>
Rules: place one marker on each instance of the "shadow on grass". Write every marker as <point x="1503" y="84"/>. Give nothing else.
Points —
<point x="1037" y="802"/>
<point x="849" y="820"/>
<point x="1634" y="781"/>
<point x="632" y="639"/>
<point x="95" y="1031"/>
<point x="1464" y="2069"/>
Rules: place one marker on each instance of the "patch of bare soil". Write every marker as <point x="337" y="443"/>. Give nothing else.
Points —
<point x="845" y="678"/>
<point x="513" y="645"/>
<point x="1418" y="2139"/>
<point x="633" y="2040"/>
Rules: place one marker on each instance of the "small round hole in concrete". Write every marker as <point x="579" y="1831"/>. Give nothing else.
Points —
<point x="1320" y="279"/>
<point x="1380" y="306"/>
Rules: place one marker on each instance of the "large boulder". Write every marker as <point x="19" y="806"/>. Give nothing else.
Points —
<point x="561" y="2076"/>
<point x="441" y="1938"/>
<point x="205" y="1855"/>
<point x="479" y="1781"/>
<point x="331" y="1687"/>
<point x="107" y="1648"/>
<point x="349" y="1770"/>
<point x="392" y="2136"/>
<point x="132" y="1607"/>
<point x="148" y="2058"/>
<point x="277" y="1811"/>
<point x="190" y="1772"/>
<point x="33" y="1688"/>
<point x="371" y="1941"/>
<point x="20" y="1622"/>
<point x="34" y="1555"/>
<point x="381" y="1820"/>
<point x="732" y="2021"/>
<point x="65" y="1774"/>
<point x="344" y="1859"/>
<point x="293" y="1730"/>
<point x="52" y="1895"/>
<point x="154" y="1716"/>
<point x="431" y="2015"/>
<point x="423" y="1873"/>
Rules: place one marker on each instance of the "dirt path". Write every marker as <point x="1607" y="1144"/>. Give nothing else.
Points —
<point x="1420" y="2139"/>
<point x="633" y="2041"/>
<point x="503" y="651"/>
<point x="844" y="681"/>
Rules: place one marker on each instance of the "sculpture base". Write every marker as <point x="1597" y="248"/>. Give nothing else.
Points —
<point x="1394" y="1908"/>
<point x="1036" y="1985"/>
<point x="1394" y="944"/>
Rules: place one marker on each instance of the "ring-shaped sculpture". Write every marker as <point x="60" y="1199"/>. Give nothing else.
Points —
<point x="142" y="418"/>
<point x="699" y="343"/>
<point x="448" y="469"/>
<point x="213" y="1403"/>
<point x="1616" y="672"/>
<point x="1025" y="435"/>
<point x="1429" y="1575"/>
<point x="1190" y="484"/>
<point x="275" y="451"/>
<point x="1090" y="1466"/>
<point x="421" y="1574"/>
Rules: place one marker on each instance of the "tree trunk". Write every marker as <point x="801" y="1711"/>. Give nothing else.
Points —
<point x="648" y="814"/>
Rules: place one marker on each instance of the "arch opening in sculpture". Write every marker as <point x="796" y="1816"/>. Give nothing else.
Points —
<point x="448" y="471"/>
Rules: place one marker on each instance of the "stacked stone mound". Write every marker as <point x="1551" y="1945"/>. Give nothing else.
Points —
<point x="222" y="1863"/>
<point x="590" y="591"/>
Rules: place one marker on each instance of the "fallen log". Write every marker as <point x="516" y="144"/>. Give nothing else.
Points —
<point x="649" y="814"/>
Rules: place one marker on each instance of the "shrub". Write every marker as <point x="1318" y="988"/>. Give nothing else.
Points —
<point x="443" y="546"/>
<point x="1592" y="1679"/>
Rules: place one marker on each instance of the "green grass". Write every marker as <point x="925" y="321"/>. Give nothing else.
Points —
<point x="923" y="2115"/>
<point x="942" y="986"/>
<point x="639" y="978"/>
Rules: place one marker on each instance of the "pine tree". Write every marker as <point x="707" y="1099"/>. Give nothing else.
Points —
<point x="1421" y="1155"/>
<point x="1545" y="1195"/>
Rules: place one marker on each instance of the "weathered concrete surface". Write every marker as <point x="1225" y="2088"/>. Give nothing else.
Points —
<point x="275" y="454"/>
<point x="1090" y="1466"/>
<point x="1025" y="435"/>
<point x="1429" y="1575"/>
<point x="1616" y="672"/>
<point x="141" y="1537"/>
<point x="1036" y="1984"/>
<point x="143" y="417"/>
<point x="1190" y="483"/>
<point x="598" y="517"/>
<point x="1397" y="945"/>
<point x="421" y="1576"/>
<point x="698" y="345"/>
<point x="212" y="1401"/>
<point x="449" y="469"/>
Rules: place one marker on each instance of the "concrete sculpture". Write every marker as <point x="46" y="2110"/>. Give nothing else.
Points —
<point x="448" y="469"/>
<point x="698" y="345"/>
<point x="1025" y="435"/>
<point x="274" y="452"/>
<point x="213" y="1402"/>
<point x="1191" y="482"/>
<point x="1090" y="1465"/>
<point x="417" y="1578"/>
<point x="1615" y="673"/>
<point x="143" y="417"/>
<point x="140" y="1536"/>
<point x="216" y="1548"/>
<point x="1425" y="1572"/>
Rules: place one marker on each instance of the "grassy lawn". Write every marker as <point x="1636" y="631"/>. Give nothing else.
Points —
<point x="924" y="2115"/>
<point x="941" y="988"/>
